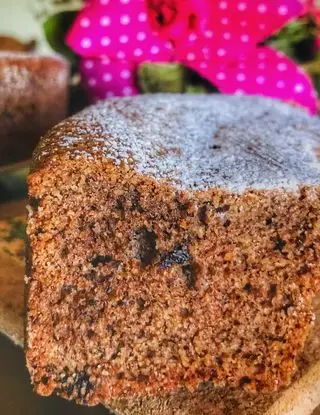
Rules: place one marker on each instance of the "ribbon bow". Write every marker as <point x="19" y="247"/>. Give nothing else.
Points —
<point x="220" y="40"/>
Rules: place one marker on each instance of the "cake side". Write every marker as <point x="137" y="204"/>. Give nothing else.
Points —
<point x="34" y="97"/>
<point x="128" y="306"/>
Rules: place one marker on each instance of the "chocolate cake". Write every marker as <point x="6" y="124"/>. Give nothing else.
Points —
<point x="173" y="245"/>
<point x="34" y="97"/>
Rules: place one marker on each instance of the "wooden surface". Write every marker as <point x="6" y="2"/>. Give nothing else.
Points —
<point x="14" y="208"/>
<point x="17" y="396"/>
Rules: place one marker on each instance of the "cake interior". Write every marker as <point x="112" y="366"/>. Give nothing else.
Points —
<point x="136" y="287"/>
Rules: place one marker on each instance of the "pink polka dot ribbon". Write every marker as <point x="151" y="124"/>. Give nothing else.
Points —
<point x="221" y="40"/>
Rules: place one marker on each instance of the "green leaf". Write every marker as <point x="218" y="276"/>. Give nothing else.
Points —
<point x="55" y="29"/>
<point x="313" y="67"/>
<point x="196" y="89"/>
<point x="161" y="77"/>
<point x="295" y="39"/>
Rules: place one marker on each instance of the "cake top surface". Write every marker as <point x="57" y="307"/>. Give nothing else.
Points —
<point x="196" y="142"/>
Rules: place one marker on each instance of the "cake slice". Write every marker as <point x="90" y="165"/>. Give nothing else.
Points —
<point x="173" y="243"/>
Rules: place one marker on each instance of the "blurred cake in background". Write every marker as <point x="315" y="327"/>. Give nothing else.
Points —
<point x="34" y="97"/>
<point x="33" y="87"/>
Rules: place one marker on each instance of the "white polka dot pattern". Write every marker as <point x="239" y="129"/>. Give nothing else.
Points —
<point x="118" y="35"/>
<point x="111" y="78"/>
<point x="261" y="75"/>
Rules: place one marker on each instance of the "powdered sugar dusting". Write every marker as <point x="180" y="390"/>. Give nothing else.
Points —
<point x="198" y="141"/>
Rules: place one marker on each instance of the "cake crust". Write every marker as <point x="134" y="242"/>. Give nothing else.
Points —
<point x="153" y="281"/>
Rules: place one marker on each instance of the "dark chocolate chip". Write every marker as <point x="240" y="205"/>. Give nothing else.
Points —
<point x="119" y="205"/>
<point x="90" y="333"/>
<point x="100" y="259"/>
<point x="44" y="380"/>
<point x="272" y="290"/>
<point x="279" y="243"/>
<point x="183" y="207"/>
<point x="269" y="222"/>
<point x="64" y="251"/>
<point x="184" y="312"/>
<point x="179" y="256"/>
<point x="141" y="334"/>
<point x="146" y="250"/>
<point x="222" y="208"/>
<point x="227" y="223"/>
<point x="190" y="276"/>
<point x="34" y="202"/>
<point x="245" y="380"/>
<point x="150" y="354"/>
<point x="202" y="213"/>
<point x="141" y="303"/>
<point x="247" y="287"/>
<point x="303" y="270"/>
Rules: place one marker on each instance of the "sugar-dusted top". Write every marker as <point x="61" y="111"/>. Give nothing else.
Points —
<point x="197" y="141"/>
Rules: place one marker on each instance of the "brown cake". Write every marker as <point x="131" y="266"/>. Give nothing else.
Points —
<point x="34" y="97"/>
<point x="173" y="245"/>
